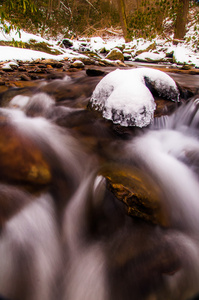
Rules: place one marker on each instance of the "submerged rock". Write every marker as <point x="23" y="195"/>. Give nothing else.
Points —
<point x="138" y="192"/>
<point x="125" y="96"/>
<point x="20" y="158"/>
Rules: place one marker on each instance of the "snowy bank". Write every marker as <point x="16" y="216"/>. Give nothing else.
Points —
<point x="156" y="50"/>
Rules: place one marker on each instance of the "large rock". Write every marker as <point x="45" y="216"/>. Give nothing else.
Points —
<point x="20" y="159"/>
<point x="138" y="192"/>
<point x="126" y="97"/>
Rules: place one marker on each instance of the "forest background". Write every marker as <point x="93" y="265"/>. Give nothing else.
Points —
<point x="73" y="18"/>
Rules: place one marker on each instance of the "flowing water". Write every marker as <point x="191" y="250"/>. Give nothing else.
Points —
<point x="66" y="236"/>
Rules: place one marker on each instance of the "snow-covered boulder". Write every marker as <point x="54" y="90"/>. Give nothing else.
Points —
<point x="182" y="55"/>
<point x="150" y="57"/>
<point x="123" y="96"/>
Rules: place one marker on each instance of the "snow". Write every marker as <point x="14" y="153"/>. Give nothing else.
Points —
<point x="183" y="53"/>
<point x="11" y="53"/>
<point x="123" y="97"/>
<point x="150" y="56"/>
<point x="23" y="37"/>
<point x="8" y="53"/>
<point x="183" y="56"/>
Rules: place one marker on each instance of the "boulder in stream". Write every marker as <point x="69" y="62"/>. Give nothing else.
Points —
<point x="140" y="194"/>
<point x="20" y="158"/>
<point x="126" y="96"/>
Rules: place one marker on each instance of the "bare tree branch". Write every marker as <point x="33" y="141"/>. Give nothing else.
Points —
<point x="92" y="6"/>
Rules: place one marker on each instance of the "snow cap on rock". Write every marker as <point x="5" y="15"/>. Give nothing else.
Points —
<point x="123" y="96"/>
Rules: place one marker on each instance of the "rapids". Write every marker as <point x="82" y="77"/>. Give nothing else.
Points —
<point x="63" y="233"/>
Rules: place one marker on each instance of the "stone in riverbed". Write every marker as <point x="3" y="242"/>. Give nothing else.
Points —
<point x="25" y="77"/>
<point x="138" y="192"/>
<point x="77" y="64"/>
<point x="20" y="159"/>
<point x="126" y="96"/>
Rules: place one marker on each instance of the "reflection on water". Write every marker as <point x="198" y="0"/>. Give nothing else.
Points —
<point x="64" y="234"/>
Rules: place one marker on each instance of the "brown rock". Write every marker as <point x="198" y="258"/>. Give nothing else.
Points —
<point x="49" y="67"/>
<point x="25" y="77"/>
<point x="138" y="192"/>
<point x="20" y="158"/>
<point x="22" y="69"/>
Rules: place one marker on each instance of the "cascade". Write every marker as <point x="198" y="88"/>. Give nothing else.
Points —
<point x="63" y="232"/>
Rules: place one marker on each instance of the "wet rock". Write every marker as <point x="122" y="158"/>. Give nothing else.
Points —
<point x="137" y="191"/>
<point x="35" y="77"/>
<point x="63" y="90"/>
<point x="164" y="107"/>
<point x="67" y="43"/>
<point x="94" y="72"/>
<point x="115" y="54"/>
<point x="25" y="77"/>
<point x="186" y="67"/>
<point x="21" y="69"/>
<point x="20" y="159"/>
<point x="89" y="60"/>
<point x="39" y="70"/>
<point x="77" y="64"/>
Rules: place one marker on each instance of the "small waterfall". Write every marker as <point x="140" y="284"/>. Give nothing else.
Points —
<point x="66" y="236"/>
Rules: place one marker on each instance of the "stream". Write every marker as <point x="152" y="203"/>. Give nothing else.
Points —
<point x="92" y="210"/>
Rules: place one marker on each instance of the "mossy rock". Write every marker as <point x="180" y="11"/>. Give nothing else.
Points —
<point x="115" y="54"/>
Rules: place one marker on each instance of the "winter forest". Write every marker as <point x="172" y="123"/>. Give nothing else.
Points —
<point x="140" y="18"/>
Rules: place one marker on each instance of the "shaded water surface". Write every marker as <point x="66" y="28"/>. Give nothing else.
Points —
<point x="64" y="233"/>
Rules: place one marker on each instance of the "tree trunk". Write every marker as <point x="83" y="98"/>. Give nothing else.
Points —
<point x="50" y="4"/>
<point x="121" y="8"/>
<point x="58" y="4"/>
<point x="181" y="20"/>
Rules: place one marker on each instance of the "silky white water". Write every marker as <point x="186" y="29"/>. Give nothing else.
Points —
<point x="73" y="240"/>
